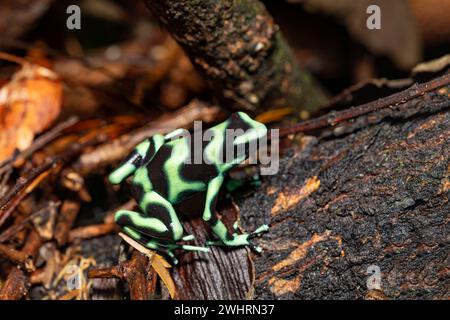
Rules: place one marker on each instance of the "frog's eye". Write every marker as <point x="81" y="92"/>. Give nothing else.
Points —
<point x="251" y="134"/>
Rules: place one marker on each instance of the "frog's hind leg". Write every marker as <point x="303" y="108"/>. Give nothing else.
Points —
<point x="159" y="207"/>
<point x="226" y="238"/>
<point x="167" y="248"/>
<point x="160" y="223"/>
<point x="151" y="243"/>
<point x="151" y="226"/>
<point x="137" y="224"/>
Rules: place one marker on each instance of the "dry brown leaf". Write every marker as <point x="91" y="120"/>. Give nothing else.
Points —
<point x="160" y="265"/>
<point x="29" y="103"/>
<point x="273" y="115"/>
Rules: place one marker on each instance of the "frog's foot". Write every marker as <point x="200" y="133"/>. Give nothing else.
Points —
<point x="164" y="246"/>
<point x="238" y="240"/>
<point x="263" y="228"/>
<point x="188" y="237"/>
<point x="256" y="181"/>
<point x="187" y="247"/>
<point x="227" y="243"/>
<point x="169" y="248"/>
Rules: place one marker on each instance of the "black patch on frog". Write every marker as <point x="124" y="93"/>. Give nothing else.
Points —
<point x="156" y="173"/>
<point x="134" y="158"/>
<point x="162" y="244"/>
<point x="229" y="236"/>
<point x="150" y="152"/>
<point x="125" y="221"/>
<point x="198" y="172"/>
<point x="161" y="213"/>
<point x="137" y="191"/>
<point x="236" y="122"/>
<point x="212" y="209"/>
<point x="214" y="218"/>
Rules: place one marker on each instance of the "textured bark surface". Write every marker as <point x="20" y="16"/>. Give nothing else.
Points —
<point x="376" y="197"/>
<point x="220" y="274"/>
<point x="239" y="49"/>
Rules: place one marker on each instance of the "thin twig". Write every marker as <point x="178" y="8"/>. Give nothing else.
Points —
<point x="68" y="213"/>
<point x="17" y="257"/>
<point x="24" y="184"/>
<point x="46" y="138"/>
<point x="334" y="117"/>
<point x="17" y="283"/>
<point x="91" y="231"/>
<point x="5" y="235"/>
<point x="140" y="277"/>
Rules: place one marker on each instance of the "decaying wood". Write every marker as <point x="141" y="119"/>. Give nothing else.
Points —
<point x="35" y="176"/>
<point x="17" y="283"/>
<point x="17" y="257"/>
<point x="91" y="231"/>
<point x="342" y="207"/>
<point x="240" y="51"/>
<point x="141" y="278"/>
<point x="66" y="218"/>
<point x="219" y="274"/>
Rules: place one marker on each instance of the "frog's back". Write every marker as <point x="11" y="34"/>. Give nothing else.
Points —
<point x="173" y="173"/>
<point x="182" y="168"/>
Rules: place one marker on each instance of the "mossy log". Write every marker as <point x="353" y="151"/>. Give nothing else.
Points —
<point x="241" y="52"/>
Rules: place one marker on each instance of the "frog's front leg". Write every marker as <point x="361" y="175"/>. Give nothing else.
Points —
<point x="209" y="215"/>
<point x="141" y="154"/>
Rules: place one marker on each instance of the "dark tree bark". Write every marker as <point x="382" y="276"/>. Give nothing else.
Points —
<point x="219" y="274"/>
<point x="240" y="51"/>
<point x="345" y="206"/>
<point x="370" y="193"/>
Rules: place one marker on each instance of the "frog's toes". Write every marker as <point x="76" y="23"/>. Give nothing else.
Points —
<point x="253" y="246"/>
<point x="172" y="256"/>
<point x="188" y="237"/>
<point x="261" y="229"/>
<point x="256" y="248"/>
<point x="214" y="243"/>
<point x="194" y="248"/>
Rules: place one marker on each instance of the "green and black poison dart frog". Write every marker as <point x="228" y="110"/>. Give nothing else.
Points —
<point x="165" y="173"/>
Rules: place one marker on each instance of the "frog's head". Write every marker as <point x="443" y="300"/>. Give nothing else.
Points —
<point x="241" y="134"/>
<point x="252" y="129"/>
